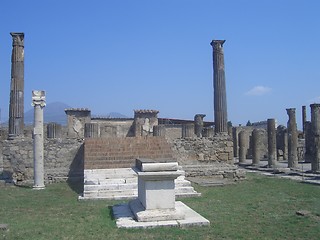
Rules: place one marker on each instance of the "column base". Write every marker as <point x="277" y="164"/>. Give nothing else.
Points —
<point x="38" y="187"/>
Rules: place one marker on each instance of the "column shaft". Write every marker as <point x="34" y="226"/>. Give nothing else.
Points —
<point x="292" y="139"/>
<point x="219" y="84"/>
<point x="16" y="106"/>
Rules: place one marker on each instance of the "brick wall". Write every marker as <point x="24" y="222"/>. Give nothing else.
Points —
<point x="122" y="152"/>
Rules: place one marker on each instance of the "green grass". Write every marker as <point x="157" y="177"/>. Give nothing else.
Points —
<point x="257" y="208"/>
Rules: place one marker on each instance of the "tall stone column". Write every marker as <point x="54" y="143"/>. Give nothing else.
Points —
<point x="242" y="146"/>
<point x="38" y="102"/>
<point x="16" y="106"/>
<point x="304" y="119"/>
<point x="53" y="130"/>
<point x="292" y="139"/>
<point x="272" y="144"/>
<point x="256" y="146"/>
<point x="315" y="122"/>
<point x="198" y="124"/>
<point x="219" y="84"/>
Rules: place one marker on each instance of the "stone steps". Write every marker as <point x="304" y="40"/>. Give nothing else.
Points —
<point x="122" y="183"/>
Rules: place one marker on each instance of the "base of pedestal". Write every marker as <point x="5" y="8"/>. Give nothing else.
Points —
<point x="143" y="215"/>
<point x="126" y="219"/>
<point x="38" y="187"/>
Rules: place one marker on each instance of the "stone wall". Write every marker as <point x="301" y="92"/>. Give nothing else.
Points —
<point x="63" y="158"/>
<point x="190" y="151"/>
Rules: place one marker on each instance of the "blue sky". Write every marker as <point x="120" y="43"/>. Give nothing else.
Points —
<point x="117" y="56"/>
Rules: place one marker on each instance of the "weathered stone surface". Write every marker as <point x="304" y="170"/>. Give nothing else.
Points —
<point x="203" y="150"/>
<point x="292" y="139"/>
<point x="272" y="145"/>
<point x="219" y="83"/>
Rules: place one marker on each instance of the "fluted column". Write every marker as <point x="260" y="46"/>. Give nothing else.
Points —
<point x="219" y="84"/>
<point x="53" y="130"/>
<point x="242" y="147"/>
<point x="256" y="146"/>
<point x="272" y="144"/>
<point x="304" y="119"/>
<point x="187" y="131"/>
<point x="38" y="102"/>
<point x="91" y="130"/>
<point x="159" y="131"/>
<point x="315" y="122"/>
<point x="16" y="106"/>
<point x="292" y="139"/>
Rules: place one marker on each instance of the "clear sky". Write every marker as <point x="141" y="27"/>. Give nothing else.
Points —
<point x="121" y="55"/>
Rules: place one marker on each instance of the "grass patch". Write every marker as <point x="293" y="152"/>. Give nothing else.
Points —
<point x="257" y="208"/>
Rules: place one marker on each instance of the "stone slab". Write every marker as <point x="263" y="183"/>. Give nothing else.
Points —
<point x="125" y="218"/>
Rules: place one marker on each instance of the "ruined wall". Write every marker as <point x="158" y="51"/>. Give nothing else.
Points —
<point x="63" y="158"/>
<point x="110" y="128"/>
<point x="203" y="150"/>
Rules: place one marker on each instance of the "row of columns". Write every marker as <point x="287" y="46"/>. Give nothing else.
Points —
<point x="290" y="137"/>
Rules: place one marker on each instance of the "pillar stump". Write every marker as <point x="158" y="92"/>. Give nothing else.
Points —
<point x="272" y="144"/>
<point x="198" y="124"/>
<point x="292" y="139"/>
<point x="315" y="122"/>
<point x="242" y="147"/>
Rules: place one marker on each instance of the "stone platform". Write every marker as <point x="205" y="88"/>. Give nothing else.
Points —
<point x="125" y="218"/>
<point x="122" y="183"/>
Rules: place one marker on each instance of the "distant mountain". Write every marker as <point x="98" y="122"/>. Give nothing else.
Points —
<point x="53" y="112"/>
<point x="110" y="115"/>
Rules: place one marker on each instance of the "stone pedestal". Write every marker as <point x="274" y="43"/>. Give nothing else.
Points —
<point x="156" y="195"/>
<point x="272" y="144"/>
<point x="16" y="106"/>
<point x="315" y="122"/>
<point x="292" y="139"/>
<point x="198" y="124"/>
<point x="38" y="101"/>
<point x="219" y="84"/>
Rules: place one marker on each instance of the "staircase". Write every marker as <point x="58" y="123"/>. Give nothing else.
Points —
<point x="109" y="167"/>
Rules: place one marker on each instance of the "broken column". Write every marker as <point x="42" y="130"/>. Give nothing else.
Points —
<point x="198" y="124"/>
<point x="91" y="130"/>
<point x="315" y="122"/>
<point x="53" y="130"/>
<point x="272" y="145"/>
<point x="159" y="131"/>
<point x="38" y="102"/>
<point x="304" y="119"/>
<point x="256" y="146"/>
<point x="16" y="106"/>
<point x="309" y="142"/>
<point x="219" y="84"/>
<point x="292" y="139"/>
<point x="187" y="130"/>
<point x="242" y="147"/>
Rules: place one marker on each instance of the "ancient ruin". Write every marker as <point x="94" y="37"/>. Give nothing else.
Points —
<point x="16" y="107"/>
<point x="38" y="102"/>
<point x="219" y="83"/>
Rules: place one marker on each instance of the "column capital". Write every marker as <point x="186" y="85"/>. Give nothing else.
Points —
<point x="217" y="44"/>
<point x="38" y="98"/>
<point x="17" y="39"/>
<point x="315" y="105"/>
